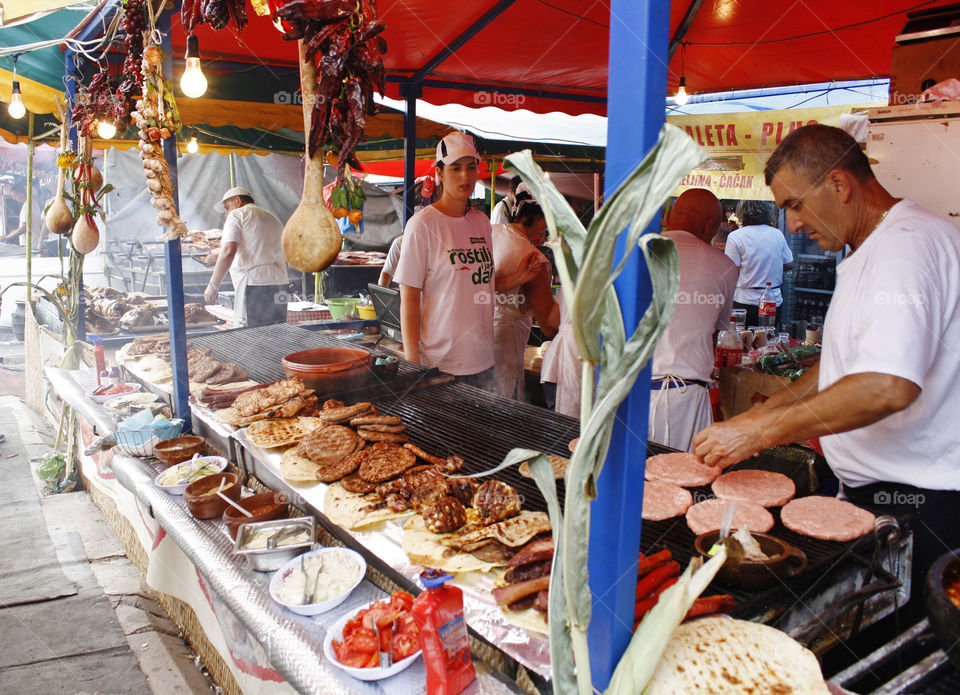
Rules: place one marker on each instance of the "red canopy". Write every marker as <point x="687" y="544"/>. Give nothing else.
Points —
<point x="557" y="50"/>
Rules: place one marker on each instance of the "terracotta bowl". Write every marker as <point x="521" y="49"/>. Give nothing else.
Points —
<point x="329" y="370"/>
<point x="784" y="561"/>
<point x="178" y="450"/>
<point x="264" y="506"/>
<point x="944" y="613"/>
<point x="201" y="499"/>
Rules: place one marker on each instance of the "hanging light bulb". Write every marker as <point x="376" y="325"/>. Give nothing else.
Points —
<point x="193" y="83"/>
<point x="106" y="129"/>
<point x="16" y="108"/>
<point x="192" y="145"/>
<point x="682" y="98"/>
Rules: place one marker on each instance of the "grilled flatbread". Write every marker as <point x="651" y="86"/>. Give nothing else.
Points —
<point x="352" y="511"/>
<point x="298" y="469"/>
<point x="726" y="656"/>
<point x="514" y="532"/>
<point x="269" y="434"/>
<point x="559" y="464"/>
<point x="427" y="549"/>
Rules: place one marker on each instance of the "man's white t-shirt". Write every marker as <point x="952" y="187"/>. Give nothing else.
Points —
<point x="393" y="256"/>
<point x="37" y="223"/>
<point x="896" y="310"/>
<point x="501" y="213"/>
<point x="259" y="256"/>
<point x="450" y="259"/>
<point x="760" y="251"/>
<point x="703" y="304"/>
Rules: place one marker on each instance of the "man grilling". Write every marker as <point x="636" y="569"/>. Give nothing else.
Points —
<point x="883" y="397"/>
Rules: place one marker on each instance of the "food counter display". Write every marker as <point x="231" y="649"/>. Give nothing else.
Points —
<point x="430" y="422"/>
<point x="262" y="646"/>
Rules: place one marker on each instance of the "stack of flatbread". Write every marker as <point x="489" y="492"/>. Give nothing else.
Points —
<point x="272" y="434"/>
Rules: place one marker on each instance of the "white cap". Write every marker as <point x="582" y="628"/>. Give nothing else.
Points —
<point x="456" y="145"/>
<point x="232" y="193"/>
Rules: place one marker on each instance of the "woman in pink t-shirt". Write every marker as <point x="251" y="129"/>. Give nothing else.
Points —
<point x="445" y="274"/>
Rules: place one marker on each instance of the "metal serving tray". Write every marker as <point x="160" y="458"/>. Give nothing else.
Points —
<point x="265" y="560"/>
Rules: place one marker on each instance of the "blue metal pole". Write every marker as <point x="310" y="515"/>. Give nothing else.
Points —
<point x="173" y="262"/>
<point x="410" y="92"/>
<point x="636" y="89"/>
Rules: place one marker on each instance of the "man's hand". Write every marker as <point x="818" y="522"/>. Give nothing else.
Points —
<point x="210" y="294"/>
<point x="726" y="443"/>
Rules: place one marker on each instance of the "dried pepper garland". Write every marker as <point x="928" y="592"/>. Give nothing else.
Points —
<point x="343" y="42"/>
<point x="216" y="13"/>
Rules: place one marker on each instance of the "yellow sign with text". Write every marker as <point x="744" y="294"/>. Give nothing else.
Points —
<point x="739" y="145"/>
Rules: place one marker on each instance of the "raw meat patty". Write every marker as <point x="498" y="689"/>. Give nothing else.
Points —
<point x="706" y="516"/>
<point x="827" y="518"/>
<point x="664" y="500"/>
<point x="766" y="488"/>
<point x="680" y="469"/>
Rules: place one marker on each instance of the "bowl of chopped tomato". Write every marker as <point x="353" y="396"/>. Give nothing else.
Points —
<point x="104" y="393"/>
<point x="352" y="645"/>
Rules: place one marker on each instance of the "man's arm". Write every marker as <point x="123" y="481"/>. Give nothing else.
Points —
<point x="787" y="266"/>
<point x="410" y="322"/>
<point x="804" y="387"/>
<point x="855" y="401"/>
<point x="14" y="234"/>
<point x="227" y="253"/>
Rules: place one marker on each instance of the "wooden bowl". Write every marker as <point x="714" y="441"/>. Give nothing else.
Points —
<point x="203" y="502"/>
<point x="264" y="507"/>
<point x="178" y="450"/>
<point x="784" y="561"/>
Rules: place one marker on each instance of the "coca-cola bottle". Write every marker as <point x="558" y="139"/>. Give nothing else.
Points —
<point x="729" y="349"/>
<point x="768" y="307"/>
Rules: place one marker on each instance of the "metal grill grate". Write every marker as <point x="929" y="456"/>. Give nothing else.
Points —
<point x="260" y="350"/>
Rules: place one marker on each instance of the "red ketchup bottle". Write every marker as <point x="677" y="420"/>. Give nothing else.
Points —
<point x="438" y="612"/>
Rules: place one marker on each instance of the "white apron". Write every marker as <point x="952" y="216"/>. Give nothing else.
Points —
<point x="678" y="413"/>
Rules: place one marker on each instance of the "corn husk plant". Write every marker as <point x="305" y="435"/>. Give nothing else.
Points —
<point x="611" y="361"/>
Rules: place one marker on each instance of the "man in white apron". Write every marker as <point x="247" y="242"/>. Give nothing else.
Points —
<point x="683" y="358"/>
<point x="250" y="249"/>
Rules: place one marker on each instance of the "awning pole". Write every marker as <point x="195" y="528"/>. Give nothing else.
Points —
<point x="30" y="150"/>
<point x="173" y="260"/>
<point x="410" y="92"/>
<point x="636" y="89"/>
<point x="596" y="191"/>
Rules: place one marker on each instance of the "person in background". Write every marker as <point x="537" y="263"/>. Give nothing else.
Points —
<point x="250" y="249"/>
<point x="561" y="364"/>
<point x="761" y="253"/>
<point x="19" y="234"/>
<point x="445" y="274"/>
<point x="883" y="398"/>
<point x="523" y="278"/>
<point x="683" y="357"/>
<point x="501" y="211"/>
<point x="727" y="225"/>
<point x="390" y="263"/>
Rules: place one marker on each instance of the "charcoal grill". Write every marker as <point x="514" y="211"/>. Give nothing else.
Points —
<point x="453" y="418"/>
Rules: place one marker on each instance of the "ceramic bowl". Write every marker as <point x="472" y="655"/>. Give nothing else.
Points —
<point x="202" y="500"/>
<point x="217" y="464"/>
<point x="944" y="576"/>
<point x="335" y="560"/>
<point x="365" y="674"/>
<point x="264" y="507"/>
<point x="178" y="449"/>
<point x="103" y="398"/>
<point x="784" y="561"/>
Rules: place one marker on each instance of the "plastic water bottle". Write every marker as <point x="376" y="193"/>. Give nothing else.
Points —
<point x="729" y="349"/>
<point x="768" y="307"/>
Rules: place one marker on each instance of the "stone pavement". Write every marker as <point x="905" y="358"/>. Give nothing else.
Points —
<point x="91" y="625"/>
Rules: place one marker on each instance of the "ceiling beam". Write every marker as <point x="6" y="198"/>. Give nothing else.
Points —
<point x="454" y="45"/>
<point x="677" y="39"/>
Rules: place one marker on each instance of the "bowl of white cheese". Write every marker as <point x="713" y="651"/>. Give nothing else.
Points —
<point x="318" y="581"/>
